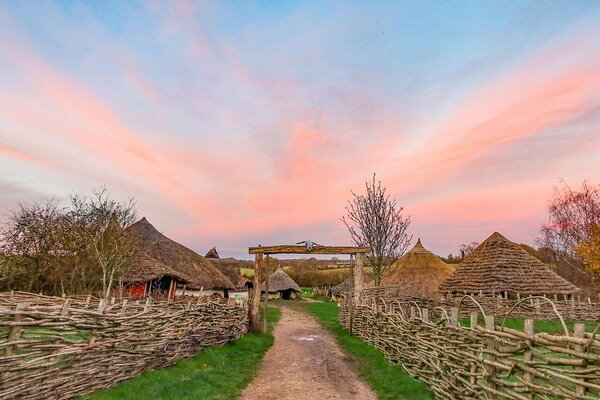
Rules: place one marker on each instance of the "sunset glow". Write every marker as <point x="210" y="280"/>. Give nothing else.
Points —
<point x="246" y="123"/>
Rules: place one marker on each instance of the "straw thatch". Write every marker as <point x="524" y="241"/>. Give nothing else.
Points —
<point x="230" y="267"/>
<point x="279" y="281"/>
<point x="201" y="272"/>
<point x="499" y="265"/>
<point x="343" y="287"/>
<point x="419" y="272"/>
<point x="142" y="268"/>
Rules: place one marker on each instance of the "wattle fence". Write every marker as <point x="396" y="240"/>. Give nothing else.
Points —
<point x="484" y="360"/>
<point x="59" y="348"/>
<point x="534" y="307"/>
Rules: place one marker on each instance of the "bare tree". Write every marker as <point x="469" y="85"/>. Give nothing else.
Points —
<point x="56" y="250"/>
<point x="101" y="222"/>
<point x="573" y="216"/>
<point x="376" y="221"/>
<point x="465" y="250"/>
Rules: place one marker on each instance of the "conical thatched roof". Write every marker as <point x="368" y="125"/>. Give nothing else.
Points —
<point x="201" y="272"/>
<point x="499" y="265"/>
<point x="141" y="268"/>
<point x="230" y="267"/>
<point x="420" y="272"/>
<point x="279" y="281"/>
<point x="212" y="253"/>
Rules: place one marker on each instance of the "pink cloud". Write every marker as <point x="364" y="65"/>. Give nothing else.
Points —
<point x="22" y="155"/>
<point x="99" y="130"/>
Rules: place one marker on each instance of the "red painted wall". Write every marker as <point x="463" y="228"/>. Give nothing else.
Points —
<point x="137" y="290"/>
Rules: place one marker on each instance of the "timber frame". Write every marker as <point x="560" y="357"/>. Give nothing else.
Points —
<point x="261" y="263"/>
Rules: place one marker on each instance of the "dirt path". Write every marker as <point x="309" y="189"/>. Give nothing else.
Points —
<point x="305" y="363"/>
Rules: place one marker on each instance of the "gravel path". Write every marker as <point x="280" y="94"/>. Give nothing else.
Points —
<point x="305" y="363"/>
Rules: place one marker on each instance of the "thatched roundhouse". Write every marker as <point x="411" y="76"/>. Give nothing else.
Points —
<point x="501" y="267"/>
<point x="198" y="276"/>
<point x="281" y="286"/>
<point x="337" y="292"/>
<point x="419" y="272"/>
<point x="230" y="267"/>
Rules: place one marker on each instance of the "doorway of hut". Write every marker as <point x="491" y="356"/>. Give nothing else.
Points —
<point x="162" y="286"/>
<point x="287" y="294"/>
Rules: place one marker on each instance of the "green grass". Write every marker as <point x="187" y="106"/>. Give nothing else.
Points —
<point x="216" y="373"/>
<point x="387" y="380"/>
<point x="308" y="293"/>
<point x="540" y="325"/>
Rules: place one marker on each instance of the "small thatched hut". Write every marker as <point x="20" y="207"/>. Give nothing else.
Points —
<point x="419" y="272"/>
<point x="501" y="267"/>
<point x="281" y="286"/>
<point x="201" y="276"/>
<point x="338" y="291"/>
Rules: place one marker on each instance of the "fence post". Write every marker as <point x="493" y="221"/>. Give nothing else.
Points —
<point x="65" y="310"/>
<point x="413" y="313"/>
<point x="474" y="316"/>
<point x="425" y="313"/>
<point x="528" y="355"/>
<point x="491" y="348"/>
<point x="454" y="316"/>
<point x="123" y="306"/>
<point x="579" y="332"/>
<point x="147" y="304"/>
<point x="15" y="330"/>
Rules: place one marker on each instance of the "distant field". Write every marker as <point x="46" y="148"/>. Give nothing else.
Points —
<point x="311" y="278"/>
<point x="247" y="272"/>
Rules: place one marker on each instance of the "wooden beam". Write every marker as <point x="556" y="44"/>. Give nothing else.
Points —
<point x="301" y="249"/>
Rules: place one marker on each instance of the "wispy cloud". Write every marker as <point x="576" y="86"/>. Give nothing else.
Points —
<point x="225" y="127"/>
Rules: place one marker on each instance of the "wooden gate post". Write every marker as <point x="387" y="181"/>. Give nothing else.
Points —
<point x="255" y="301"/>
<point x="351" y="297"/>
<point x="266" y="300"/>
<point x="359" y="278"/>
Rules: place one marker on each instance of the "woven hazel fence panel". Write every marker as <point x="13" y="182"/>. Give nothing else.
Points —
<point x="485" y="360"/>
<point x="59" y="348"/>
<point x="533" y="307"/>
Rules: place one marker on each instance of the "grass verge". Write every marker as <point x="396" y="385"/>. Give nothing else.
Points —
<point x="387" y="380"/>
<point x="214" y="373"/>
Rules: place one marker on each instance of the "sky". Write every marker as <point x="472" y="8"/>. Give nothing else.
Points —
<point x="234" y="124"/>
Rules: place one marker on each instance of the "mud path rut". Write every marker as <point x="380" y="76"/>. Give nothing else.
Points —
<point x="305" y="362"/>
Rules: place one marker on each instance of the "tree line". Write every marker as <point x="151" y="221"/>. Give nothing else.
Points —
<point x="571" y="235"/>
<point x="78" y="249"/>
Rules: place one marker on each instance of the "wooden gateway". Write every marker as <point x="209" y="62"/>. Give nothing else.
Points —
<point x="262" y="254"/>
